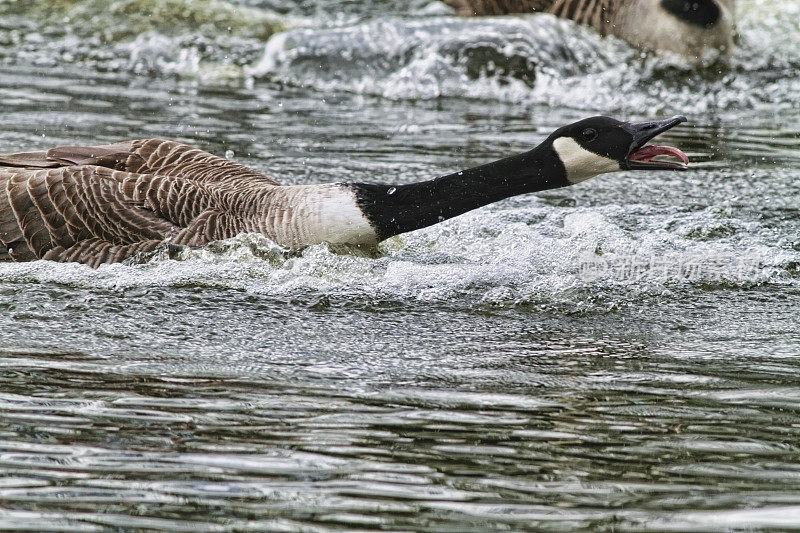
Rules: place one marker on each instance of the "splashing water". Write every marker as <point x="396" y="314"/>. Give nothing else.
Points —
<point x="538" y="59"/>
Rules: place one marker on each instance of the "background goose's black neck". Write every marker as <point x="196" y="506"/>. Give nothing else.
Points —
<point x="703" y="13"/>
<point x="395" y="209"/>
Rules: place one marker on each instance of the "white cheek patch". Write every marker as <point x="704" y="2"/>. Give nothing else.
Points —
<point x="581" y="164"/>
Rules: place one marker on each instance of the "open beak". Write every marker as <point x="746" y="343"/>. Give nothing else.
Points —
<point x="642" y="156"/>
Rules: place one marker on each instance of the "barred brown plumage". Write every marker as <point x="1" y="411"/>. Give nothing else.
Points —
<point x="103" y="204"/>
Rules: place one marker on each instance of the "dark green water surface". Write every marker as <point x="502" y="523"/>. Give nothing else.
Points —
<point x="621" y="355"/>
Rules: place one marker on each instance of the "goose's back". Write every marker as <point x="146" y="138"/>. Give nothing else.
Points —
<point x="105" y="203"/>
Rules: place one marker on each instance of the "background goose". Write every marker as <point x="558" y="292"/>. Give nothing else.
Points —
<point x="691" y="28"/>
<point x="104" y="204"/>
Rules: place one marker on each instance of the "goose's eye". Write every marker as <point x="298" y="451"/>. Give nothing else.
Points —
<point x="589" y="134"/>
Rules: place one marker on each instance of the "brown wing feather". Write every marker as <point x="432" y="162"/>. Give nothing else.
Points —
<point x="498" y="7"/>
<point x="174" y="199"/>
<point x="54" y="213"/>
<point x="28" y="160"/>
<point x="157" y="156"/>
<point x="212" y="225"/>
<point x="145" y="156"/>
<point x="594" y="13"/>
<point x="96" y="204"/>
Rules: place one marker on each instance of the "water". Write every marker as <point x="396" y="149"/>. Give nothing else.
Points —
<point x="620" y="355"/>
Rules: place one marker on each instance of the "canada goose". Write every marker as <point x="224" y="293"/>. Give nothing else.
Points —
<point x="104" y="204"/>
<point x="691" y="28"/>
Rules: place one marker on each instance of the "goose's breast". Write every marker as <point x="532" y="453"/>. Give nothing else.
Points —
<point x="302" y="215"/>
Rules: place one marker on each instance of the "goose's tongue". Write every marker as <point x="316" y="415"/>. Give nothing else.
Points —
<point x="646" y="154"/>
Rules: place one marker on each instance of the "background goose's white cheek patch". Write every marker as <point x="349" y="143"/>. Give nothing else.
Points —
<point x="581" y="164"/>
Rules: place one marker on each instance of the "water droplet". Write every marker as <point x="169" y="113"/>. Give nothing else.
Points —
<point x="460" y="173"/>
<point x="392" y="190"/>
<point x="229" y="154"/>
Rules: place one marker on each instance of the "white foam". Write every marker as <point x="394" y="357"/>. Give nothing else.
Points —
<point x="497" y="255"/>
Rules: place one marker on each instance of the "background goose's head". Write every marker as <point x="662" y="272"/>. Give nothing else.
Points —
<point x="602" y="144"/>
<point x="698" y="30"/>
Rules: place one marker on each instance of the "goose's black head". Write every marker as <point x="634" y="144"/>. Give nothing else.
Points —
<point x="602" y="144"/>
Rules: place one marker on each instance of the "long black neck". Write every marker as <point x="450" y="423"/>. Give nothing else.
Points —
<point x="395" y="209"/>
<point x="703" y="13"/>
